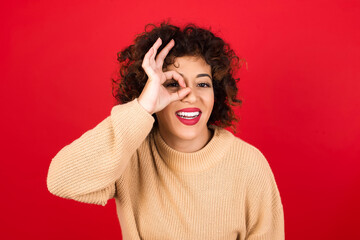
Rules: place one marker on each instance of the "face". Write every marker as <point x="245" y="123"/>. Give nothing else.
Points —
<point x="186" y="119"/>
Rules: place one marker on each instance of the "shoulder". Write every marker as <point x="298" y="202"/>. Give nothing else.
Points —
<point x="250" y="159"/>
<point x="246" y="148"/>
<point x="252" y="170"/>
<point x="251" y="154"/>
<point x="242" y="150"/>
<point x="258" y="176"/>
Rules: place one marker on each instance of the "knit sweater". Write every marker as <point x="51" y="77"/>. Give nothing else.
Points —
<point x="226" y="190"/>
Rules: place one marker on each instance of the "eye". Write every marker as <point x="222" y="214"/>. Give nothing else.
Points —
<point x="204" y="85"/>
<point x="172" y="84"/>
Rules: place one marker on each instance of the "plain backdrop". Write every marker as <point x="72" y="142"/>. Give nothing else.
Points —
<point x="300" y="94"/>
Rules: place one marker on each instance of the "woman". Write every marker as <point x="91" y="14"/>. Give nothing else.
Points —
<point x="164" y="155"/>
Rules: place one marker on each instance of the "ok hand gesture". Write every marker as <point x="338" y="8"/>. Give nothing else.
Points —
<point x="155" y="96"/>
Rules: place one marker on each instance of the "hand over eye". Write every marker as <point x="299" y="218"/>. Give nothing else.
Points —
<point x="155" y="96"/>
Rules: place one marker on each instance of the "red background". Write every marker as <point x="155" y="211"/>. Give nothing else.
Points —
<point x="301" y="103"/>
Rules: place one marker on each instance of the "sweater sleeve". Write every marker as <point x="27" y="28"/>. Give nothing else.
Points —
<point x="265" y="216"/>
<point x="86" y="169"/>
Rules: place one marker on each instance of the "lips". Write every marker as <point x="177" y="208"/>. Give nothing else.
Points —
<point x="189" y="116"/>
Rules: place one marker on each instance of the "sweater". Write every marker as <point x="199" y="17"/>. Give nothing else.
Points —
<point x="226" y="190"/>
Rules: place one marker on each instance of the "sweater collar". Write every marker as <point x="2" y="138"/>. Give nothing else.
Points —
<point x="197" y="161"/>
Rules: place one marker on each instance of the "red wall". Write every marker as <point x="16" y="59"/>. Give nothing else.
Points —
<point x="301" y="103"/>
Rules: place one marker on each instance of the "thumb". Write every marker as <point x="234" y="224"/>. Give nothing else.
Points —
<point x="180" y="94"/>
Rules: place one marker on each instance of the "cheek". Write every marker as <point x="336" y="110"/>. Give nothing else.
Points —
<point x="210" y="101"/>
<point x="165" y="114"/>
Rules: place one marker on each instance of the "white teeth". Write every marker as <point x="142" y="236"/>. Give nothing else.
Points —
<point x="188" y="115"/>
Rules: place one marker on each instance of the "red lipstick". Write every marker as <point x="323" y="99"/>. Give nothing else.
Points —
<point x="189" y="116"/>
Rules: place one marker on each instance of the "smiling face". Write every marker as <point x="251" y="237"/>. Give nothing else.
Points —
<point x="186" y="119"/>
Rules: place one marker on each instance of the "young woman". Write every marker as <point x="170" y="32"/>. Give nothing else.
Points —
<point x="163" y="153"/>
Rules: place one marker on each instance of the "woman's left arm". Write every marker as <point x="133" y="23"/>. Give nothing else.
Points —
<point x="265" y="214"/>
<point x="267" y="224"/>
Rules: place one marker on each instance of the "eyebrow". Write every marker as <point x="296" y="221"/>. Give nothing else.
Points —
<point x="199" y="75"/>
<point x="203" y="75"/>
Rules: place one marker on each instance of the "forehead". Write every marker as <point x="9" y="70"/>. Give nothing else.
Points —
<point x="190" y="64"/>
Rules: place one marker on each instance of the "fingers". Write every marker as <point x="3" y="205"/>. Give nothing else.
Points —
<point x="150" y="55"/>
<point x="176" y="76"/>
<point x="153" y="67"/>
<point x="156" y="46"/>
<point x="147" y="56"/>
<point x="181" y="93"/>
<point x="178" y="95"/>
<point x="164" y="52"/>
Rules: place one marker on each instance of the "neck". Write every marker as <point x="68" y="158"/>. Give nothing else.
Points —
<point x="186" y="145"/>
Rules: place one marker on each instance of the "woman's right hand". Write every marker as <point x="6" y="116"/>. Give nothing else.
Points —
<point x="155" y="96"/>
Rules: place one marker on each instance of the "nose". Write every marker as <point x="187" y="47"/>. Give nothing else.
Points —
<point x="191" y="97"/>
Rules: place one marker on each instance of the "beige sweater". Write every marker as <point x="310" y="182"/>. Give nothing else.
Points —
<point x="226" y="190"/>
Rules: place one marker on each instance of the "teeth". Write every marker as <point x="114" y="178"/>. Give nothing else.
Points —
<point x="188" y="115"/>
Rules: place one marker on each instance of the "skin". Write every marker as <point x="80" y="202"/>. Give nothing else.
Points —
<point x="185" y="84"/>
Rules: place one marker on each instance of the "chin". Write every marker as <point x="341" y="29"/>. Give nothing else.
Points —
<point x="190" y="132"/>
<point x="187" y="134"/>
<point x="173" y="128"/>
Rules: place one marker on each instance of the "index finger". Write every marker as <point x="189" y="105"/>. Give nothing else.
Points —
<point x="164" y="52"/>
<point x="151" y="52"/>
<point x="176" y="76"/>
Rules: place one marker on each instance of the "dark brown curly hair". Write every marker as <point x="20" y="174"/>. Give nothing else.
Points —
<point x="189" y="41"/>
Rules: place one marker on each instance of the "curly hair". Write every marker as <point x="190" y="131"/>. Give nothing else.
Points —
<point x="189" y="41"/>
